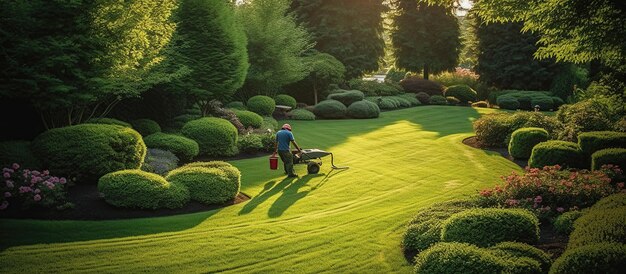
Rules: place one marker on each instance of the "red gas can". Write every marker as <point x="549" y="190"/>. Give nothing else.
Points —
<point x="273" y="162"/>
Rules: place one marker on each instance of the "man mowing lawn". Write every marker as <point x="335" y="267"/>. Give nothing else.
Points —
<point x="283" y="139"/>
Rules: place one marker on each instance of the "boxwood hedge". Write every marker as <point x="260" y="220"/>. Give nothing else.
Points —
<point x="285" y="100"/>
<point x="524" y="139"/>
<point x="593" y="141"/>
<point x="330" y="109"/>
<point x="301" y="114"/>
<point x="347" y="97"/>
<point x="184" y="148"/>
<point x="613" y="156"/>
<point x="249" y="118"/>
<point x="363" y="110"/>
<point x="464" y="93"/>
<point x="215" y="136"/>
<point x="206" y="185"/>
<point x="262" y="105"/>
<point x="562" y="153"/>
<point x="609" y="258"/>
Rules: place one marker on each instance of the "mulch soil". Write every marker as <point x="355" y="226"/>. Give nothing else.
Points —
<point x="473" y="142"/>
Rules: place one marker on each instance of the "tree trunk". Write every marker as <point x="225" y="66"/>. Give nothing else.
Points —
<point x="315" y="92"/>
<point x="426" y="71"/>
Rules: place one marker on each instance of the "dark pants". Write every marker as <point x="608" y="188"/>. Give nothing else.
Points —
<point x="287" y="157"/>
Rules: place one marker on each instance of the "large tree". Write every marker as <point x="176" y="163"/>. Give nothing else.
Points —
<point x="425" y="37"/>
<point x="325" y="70"/>
<point x="349" y="30"/>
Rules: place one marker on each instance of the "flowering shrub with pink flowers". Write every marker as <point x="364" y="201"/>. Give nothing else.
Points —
<point x="30" y="188"/>
<point x="551" y="190"/>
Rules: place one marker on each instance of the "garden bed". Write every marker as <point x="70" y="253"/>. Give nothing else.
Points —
<point x="473" y="142"/>
<point x="88" y="205"/>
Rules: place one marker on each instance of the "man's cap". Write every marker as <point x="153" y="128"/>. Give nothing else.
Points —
<point x="287" y="127"/>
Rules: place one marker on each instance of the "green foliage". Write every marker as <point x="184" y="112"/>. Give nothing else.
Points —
<point x="495" y="129"/>
<point x="607" y="258"/>
<point x="269" y="123"/>
<point x="145" y="127"/>
<point x="18" y="152"/>
<point x="564" y="223"/>
<point x="459" y="76"/>
<point x="589" y="115"/>
<point x="262" y="105"/>
<point x="140" y="189"/>
<point x="569" y="78"/>
<point x="437" y="100"/>
<point x="363" y="110"/>
<point x="375" y="88"/>
<point x="159" y="161"/>
<point x="179" y="121"/>
<point x="88" y="151"/>
<point x="417" y="85"/>
<point x="425" y="37"/>
<point x="400" y="101"/>
<point x="464" y="93"/>
<point x="520" y="250"/>
<point x="108" y="121"/>
<point x="395" y="75"/>
<point x="612" y="156"/>
<point x="285" y="100"/>
<point x="508" y="102"/>
<point x="480" y="104"/>
<point x="341" y="28"/>
<point x="489" y="226"/>
<point x="593" y="141"/>
<point x="183" y="147"/>
<point x="215" y="136"/>
<point x="249" y="118"/>
<point x="557" y="153"/>
<point x="347" y="97"/>
<point x="411" y="98"/>
<point x="231" y="171"/>
<point x="206" y="185"/>
<point x="301" y="114"/>
<point x="524" y="139"/>
<point x="275" y="46"/>
<point x="250" y="143"/>
<point x="543" y="104"/>
<point x="330" y="109"/>
<point x="423" y="97"/>
<point x="387" y="103"/>
<point x="523" y="96"/>
<point x="453" y="101"/>
<point x="325" y="70"/>
<point x="557" y="102"/>
<point x="236" y="105"/>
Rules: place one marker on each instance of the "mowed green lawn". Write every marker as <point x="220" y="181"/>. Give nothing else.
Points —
<point x="335" y="221"/>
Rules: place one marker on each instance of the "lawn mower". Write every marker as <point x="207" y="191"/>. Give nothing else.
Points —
<point x="313" y="159"/>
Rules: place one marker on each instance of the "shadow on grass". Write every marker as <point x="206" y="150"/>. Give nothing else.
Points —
<point x="291" y="194"/>
<point x="270" y="189"/>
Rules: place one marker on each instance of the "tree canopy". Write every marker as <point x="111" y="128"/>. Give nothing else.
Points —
<point x="325" y="70"/>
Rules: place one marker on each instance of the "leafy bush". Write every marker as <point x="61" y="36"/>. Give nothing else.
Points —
<point x="179" y="121"/>
<point x="330" y="109"/>
<point x="569" y="78"/>
<point x="400" y="101"/>
<point x="184" y="148"/>
<point x="412" y="98"/>
<point x="464" y="93"/>
<point x="611" y="202"/>
<point x="609" y="156"/>
<point x="385" y="103"/>
<point x="285" y="100"/>
<point x="599" y="226"/>
<point x="25" y="188"/>
<point x="564" y="223"/>
<point x="249" y="118"/>
<point x="261" y="105"/>
<point x="108" y="121"/>
<point x="495" y="129"/>
<point x="206" y="185"/>
<point x="374" y="88"/>
<point x="347" y="97"/>
<point x="215" y="136"/>
<point x="585" y="116"/>
<point x="609" y="258"/>
<point x="139" y="189"/>
<point x="544" y="103"/>
<point x="146" y="127"/>
<point x="269" y="123"/>
<point x="480" y="104"/>
<point x="460" y="76"/>
<point x="508" y="102"/>
<point x="301" y="114"/>
<point x="250" y="143"/>
<point x="268" y="141"/>
<point x="363" y="110"/>
<point x="550" y="191"/>
<point x="520" y="250"/>
<point x="236" y="105"/>
<point x="453" y="101"/>
<point x="231" y="171"/>
<point x="557" y="102"/>
<point x="524" y="139"/>
<point x="423" y="97"/>
<point x="437" y="100"/>
<point x="159" y="161"/>
<point x="416" y="84"/>
<point x="489" y="226"/>
<point x="88" y="151"/>
<point x="18" y="152"/>
<point x="524" y="95"/>
<point x="214" y="108"/>
<point x="557" y="153"/>
<point x="591" y="142"/>
<point x="620" y="125"/>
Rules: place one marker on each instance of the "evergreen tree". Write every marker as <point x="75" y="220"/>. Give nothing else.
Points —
<point x="425" y="37"/>
<point x="349" y="30"/>
<point x="325" y="70"/>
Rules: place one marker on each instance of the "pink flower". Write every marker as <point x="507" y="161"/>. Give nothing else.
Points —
<point x="7" y="194"/>
<point x="37" y="198"/>
<point x="15" y="166"/>
<point x="62" y="180"/>
<point x="46" y="172"/>
<point x="560" y="209"/>
<point x="36" y="173"/>
<point x="37" y="191"/>
<point x="50" y="185"/>
<point x="7" y="175"/>
<point x="538" y="199"/>
<point x="620" y="185"/>
<point x="4" y="205"/>
<point x="9" y="183"/>
<point x="25" y="189"/>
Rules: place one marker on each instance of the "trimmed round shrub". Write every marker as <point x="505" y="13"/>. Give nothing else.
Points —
<point x="301" y="114"/>
<point x="269" y="123"/>
<point x="525" y="102"/>
<point x="524" y="139"/>
<point x="412" y="98"/>
<point x="206" y="185"/>
<point x="386" y="103"/>
<point x="452" y="101"/>
<point x="598" y="226"/>
<point x="620" y="125"/>
<point x="18" y="152"/>
<point x="183" y="147"/>
<point x="508" y="102"/>
<point x="437" y="100"/>
<point x="330" y="109"/>
<point x="561" y="153"/>
<point x="564" y="223"/>
<point x="146" y="127"/>
<point x="489" y="226"/>
<point x="107" y="121"/>
<point x="363" y="110"/>
<point x="515" y="250"/>
<point x="423" y="97"/>
<point x="215" y="136"/>
<point x="249" y="118"/>
<point x="231" y="171"/>
<point x="611" y="202"/>
<point x="416" y="84"/>
<point x="347" y="97"/>
<point x="593" y="141"/>
<point x="464" y="93"/>
<point x="88" y="151"/>
<point x="609" y="258"/>
<point x="250" y="143"/>
<point x="480" y="104"/>
<point x="401" y="102"/>
<point x="236" y="105"/>
<point x="261" y="105"/>
<point x="613" y="156"/>
<point x="140" y="189"/>
<point x="544" y="103"/>
<point x="285" y="100"/>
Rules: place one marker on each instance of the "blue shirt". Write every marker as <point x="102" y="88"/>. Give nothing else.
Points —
<point x="283" y="137"/>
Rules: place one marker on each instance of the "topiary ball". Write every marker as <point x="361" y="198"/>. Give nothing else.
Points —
<point x="146" y="127"/>
<point x="423" y="97"/>
<point x="593" y="141"/>
<point x="285" y="100"/>
<point x="514" y="250"/>
<point x="411" y="98"/>
<point x="363" y="110"/>
<point x="524" y="139"/>
<point x="236" y="105"/>
<point x="347" y="97"/>
<point x="609" y="156"/>
<point x="387" y="103"/>
<point x="300" y="114"/>
<point x="330" y="109"/>
<point x="206" y="185"/>
<point x="464" y="93"/>
<point x="400" y="101"/>
<point x="261" y="105"/>
<point x="215" y="136"/>
<point x="564" y="223"/>
<point x="508" y="102"/>
<point x="544" y="103"/>
<point x="557" y="153"/>
<point x="107" y="121"/>
<point x="231" y="171"/>
<point x="88" y="151"/>
<point x="183" y="147"/>
<point x="249" y="118"/>
<point x="595" y="258"/>
<point x="140" y="189"/>
<point x="437" y="100"/>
